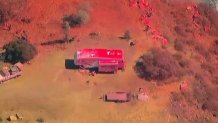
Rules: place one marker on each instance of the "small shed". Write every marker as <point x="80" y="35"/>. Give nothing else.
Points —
<point x="117" y="97"/>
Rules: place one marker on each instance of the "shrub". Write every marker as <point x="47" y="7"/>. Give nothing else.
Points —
<point x="19" y="51"/>
<point x="73" y="20"/>
<point x="203" y="94"/>
<point x="1" y="120"/>
<point x="202" y="50"/>
<point x="178" y="107"/>
<point x="215" y="80"/>
<point x="40" y="120"/>
<point x="126" y="35"/>
<point x="214" y="47"/>
<point x="177" y="56"/>
<point x="208" y="67"/>
<point x="157" y="65"/>
<point x="80" y="18"/>
<point x="184" y="112"/>
<point x="176" y="97"/>
<point x="190" y="42"/>
<point x="66" y="25"/>
<point x="2" y="16"/>
<point x="175" y="100"/>
<point x="212" y="106"/>
<point x="211" y="103"/>
<point x="179" y="45"/>
<point x="10" y="9"/>
<point x="199" y="92"/>
<point x="84" y="15"/>
<point x="94" y="35"/>
<point x="184" y="63"/>
<point x="179" y="30"/>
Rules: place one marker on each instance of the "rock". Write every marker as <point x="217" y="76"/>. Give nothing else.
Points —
<point x="20" y="117"/>
<point x="12" y="118"/>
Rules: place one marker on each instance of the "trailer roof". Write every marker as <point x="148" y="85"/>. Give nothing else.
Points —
<point x="100" y="53"/>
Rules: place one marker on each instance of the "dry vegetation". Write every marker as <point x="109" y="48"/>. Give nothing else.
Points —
<point x="19" y="51"/>
<point x="81" y="17"/>
<point x="201" y="93"/>
<point x="11" y="9"/>
<point x="157" y="65"/>
<point x="210" y="17"/>
<point x="214" y="47"/>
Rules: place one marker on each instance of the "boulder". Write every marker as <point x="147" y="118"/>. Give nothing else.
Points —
<point x="143" y="96"/>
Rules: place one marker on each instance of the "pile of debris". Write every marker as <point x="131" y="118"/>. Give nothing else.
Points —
<point x="15" y="117"/>
<point x="8" y="73"/>
<point x="142" y="95"/>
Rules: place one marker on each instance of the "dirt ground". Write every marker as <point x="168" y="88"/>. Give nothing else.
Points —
<point x="63" y="96"/>
<point x="59" y="95"/>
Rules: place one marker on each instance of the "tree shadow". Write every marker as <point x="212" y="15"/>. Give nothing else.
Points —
<point x="69" y="64"/>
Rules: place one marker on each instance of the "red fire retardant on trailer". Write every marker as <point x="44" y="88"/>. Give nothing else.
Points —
<point x="106" y="60"/>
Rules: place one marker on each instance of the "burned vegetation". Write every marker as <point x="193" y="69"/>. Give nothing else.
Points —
<point x="3" y="16"/>
<point x="214" y="47"/>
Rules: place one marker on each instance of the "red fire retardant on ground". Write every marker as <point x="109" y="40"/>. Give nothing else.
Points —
<point x="145" y="18"/>
<point x="193" y="9"/>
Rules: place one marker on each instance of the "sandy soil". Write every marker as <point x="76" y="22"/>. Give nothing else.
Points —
<point x="63" y="95"/>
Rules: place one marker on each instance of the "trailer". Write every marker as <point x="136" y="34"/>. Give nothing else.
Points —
<point x="10" y="73"/>
<point x="118" y="97"/>
<point x="105" y="60"/>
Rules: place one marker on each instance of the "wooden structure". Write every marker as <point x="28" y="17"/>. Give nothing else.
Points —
<point x="117" y="97"/>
